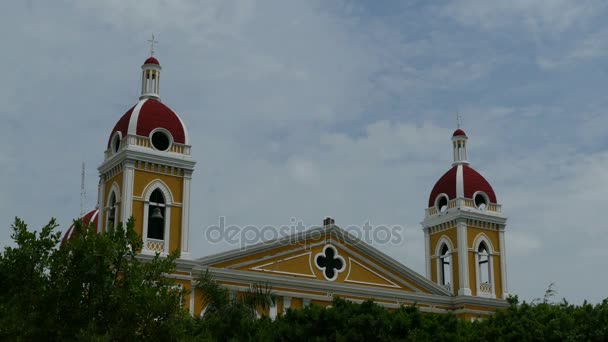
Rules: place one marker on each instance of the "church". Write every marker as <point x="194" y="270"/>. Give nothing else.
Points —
<point x="146" y="173"/>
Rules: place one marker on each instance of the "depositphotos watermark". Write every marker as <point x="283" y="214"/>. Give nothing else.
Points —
<point x="244" y="236"/>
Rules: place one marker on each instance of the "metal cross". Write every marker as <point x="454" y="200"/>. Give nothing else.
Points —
<point x="458" y="119"/>
<point x="152" y="42"/>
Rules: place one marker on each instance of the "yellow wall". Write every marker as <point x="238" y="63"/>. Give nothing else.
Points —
<point x="472" y="234"/>
<point x="492" y="236"/>
<point x="175" y="184"/>
<point x="303" y="266"/>
<point x="143" y="178"/>
<point x="108" y="186"/>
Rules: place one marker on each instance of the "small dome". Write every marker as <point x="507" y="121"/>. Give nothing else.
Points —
<point x="149" y="115"/>
<point x="152" y="60"/>
<point x="461" y="181"/>
<point x="91" y="216"/>
<point x="459" y="133"/>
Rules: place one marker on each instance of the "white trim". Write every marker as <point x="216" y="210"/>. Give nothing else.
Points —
<point x="185" y="245"/>
<point x="167" y="133"/>
<point x="503" y="263"/>
<point x="427" y="253"/>
<point x="112" y="149"/>
<point x="127" y="191"/>
<point x="114" y="189"/>
<point x="148" y="155"/>
<point x="192" y="296"/>
<point x="441" y="195"/>
<point x="481" y="237"/>
<point x="336" y="256"/>
<point x="444" y="239"/>
<point x="135" y="116"/>
<point x="391" y="265"/>
<point x="350" y="264"/>
<point x="286" y="303"/>
<point x="186" y="137"/>
<point x="459" y="182"/>
<point x="101" y="189"/>
<point x="272" y="311"/>
<point x="463" y="259"/>
<point x="485" y="196"/>
<point x="95" y="214"/>
<point x="157" y="184"/>
<point x="374" y="263"/>
<point x="276" y="262"/>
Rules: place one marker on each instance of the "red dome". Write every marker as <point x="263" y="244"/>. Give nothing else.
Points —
<point x="461" y="181"/>
<point x="91" y="216"/>
<point x="152" y="60"/>
<point x="459" y="133"/>
<point x="147" y="115"/>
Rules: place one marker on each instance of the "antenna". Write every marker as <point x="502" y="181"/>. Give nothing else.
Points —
<point x="83" y="191"/>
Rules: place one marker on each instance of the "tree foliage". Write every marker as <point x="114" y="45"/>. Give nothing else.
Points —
<point x="95" y="287"/>
<point x="90" y="287"/>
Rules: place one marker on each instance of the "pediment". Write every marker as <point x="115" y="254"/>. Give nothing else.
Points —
<point x="325" y="255"/>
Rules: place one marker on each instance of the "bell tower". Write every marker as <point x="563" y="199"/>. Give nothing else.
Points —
<point x="147" y="171"/>
<point x="464" y="231"/>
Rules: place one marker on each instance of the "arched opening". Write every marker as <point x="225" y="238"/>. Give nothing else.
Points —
<point x="485" y="279"/>
<point x="116" y="142"/>
<point x="111" y="221"/>
<point x="156" y="215"/>
<point x="445" y="266"/>
<point x="441" y="203"/>
<point x="481" y="200"/>
<point x="483" y="263"/>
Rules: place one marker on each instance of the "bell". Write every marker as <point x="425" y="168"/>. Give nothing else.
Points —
<point x="156" y="214"/>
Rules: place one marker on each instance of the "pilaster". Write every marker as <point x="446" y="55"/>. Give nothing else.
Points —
<point x="463" y="262"/>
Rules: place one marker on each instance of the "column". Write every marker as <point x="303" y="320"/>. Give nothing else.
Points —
<point x="463" y="262"/>
<point x="185" y="244"/>
<point x="427" y="252"/>
<point x="503" y="262"/>
<point x="286" y="303"/>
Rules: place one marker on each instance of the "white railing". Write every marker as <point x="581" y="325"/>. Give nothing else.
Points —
<point x="155" y="245"/>
<point x="464" y="202"/>
<point x="485" y="287"/>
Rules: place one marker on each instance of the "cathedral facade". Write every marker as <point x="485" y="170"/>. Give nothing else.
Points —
<point x="146" y="174"/>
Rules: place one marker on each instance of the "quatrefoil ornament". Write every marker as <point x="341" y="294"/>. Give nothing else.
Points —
<point x="330" y="263"/>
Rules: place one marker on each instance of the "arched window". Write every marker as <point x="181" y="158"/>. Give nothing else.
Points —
<point x="111" y="220"/>
<point x="156" y="216"/>
<point x="484" y="269"/>
<point x="445" y="266"/>
<point x="484" y="263"/>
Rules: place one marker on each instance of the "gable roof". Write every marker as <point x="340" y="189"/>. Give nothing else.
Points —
<point x="341" y="238"/>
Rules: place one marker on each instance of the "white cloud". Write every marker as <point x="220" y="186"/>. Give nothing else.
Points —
<point x="295" y="111"/>
<point x="552" y="16"/>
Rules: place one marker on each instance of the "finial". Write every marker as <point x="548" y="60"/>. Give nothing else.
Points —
<point x="152" y="42"/>
<point x="458" y="119"/>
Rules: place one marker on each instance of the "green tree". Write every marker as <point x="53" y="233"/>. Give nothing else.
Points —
<point x="232" y="318"/>
<point x="92" y="287"/>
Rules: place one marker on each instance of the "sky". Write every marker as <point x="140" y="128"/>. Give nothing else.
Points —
<point x="298" y="110"/>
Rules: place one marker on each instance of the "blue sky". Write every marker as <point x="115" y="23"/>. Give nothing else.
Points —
<point x="311" y="108"/>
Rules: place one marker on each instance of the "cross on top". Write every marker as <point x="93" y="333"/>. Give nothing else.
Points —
<point x="152" y="42"/>
<point x="458" y="119"/>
